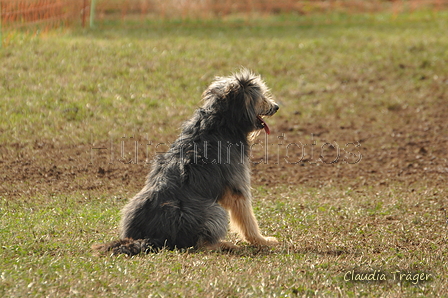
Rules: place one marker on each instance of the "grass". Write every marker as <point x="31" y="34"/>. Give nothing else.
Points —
<point x="59" y="86"/>
<point x="374" y="78"/>
<point x="322" y="239"/>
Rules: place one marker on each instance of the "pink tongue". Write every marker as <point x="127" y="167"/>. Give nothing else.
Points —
<point x="265" y="125"/>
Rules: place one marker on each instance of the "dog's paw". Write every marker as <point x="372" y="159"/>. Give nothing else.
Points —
<point x="224" y="245"/>
<point x="264" y="241"/>
<point x="270" y="241"/>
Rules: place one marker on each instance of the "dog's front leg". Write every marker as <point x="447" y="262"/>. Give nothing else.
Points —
<point x="243" y="219"/>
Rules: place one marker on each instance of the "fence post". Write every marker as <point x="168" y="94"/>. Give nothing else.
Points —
<point x="1" y="28"/>
<point x="92" y="12"/>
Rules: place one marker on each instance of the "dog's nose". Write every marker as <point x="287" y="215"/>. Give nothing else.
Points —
<point x="276" y="107"/>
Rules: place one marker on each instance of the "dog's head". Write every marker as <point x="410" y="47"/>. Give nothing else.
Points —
<point x="243" y="100"/>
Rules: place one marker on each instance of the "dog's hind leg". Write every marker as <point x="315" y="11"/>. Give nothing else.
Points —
<point x="214" y="229"/>
<point x="242" y="217"/>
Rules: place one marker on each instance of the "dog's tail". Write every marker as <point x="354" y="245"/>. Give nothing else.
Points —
<point x="126" y="246"/>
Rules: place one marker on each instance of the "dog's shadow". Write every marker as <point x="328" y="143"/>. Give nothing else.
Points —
<point x="246" y="250"/>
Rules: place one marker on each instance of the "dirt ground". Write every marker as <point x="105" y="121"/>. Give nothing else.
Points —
<point x="412" y="153"/>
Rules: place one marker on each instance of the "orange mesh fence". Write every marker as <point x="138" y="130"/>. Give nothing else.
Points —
<point x="49" y="13"/>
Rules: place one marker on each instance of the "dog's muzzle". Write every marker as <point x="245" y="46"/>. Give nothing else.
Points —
<point x="262" y="124"/>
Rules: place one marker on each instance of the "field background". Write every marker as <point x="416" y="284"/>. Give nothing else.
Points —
<point x="54" y="13"/>
<point x="378" y="80"/>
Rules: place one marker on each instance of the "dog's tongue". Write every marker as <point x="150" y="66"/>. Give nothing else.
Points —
<point x="265" y="125"/>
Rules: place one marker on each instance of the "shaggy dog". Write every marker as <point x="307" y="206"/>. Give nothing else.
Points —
<point x="203" y="177"/>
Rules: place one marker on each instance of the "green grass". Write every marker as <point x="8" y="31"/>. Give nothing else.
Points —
<point x="57" y="86"/>
<point x="46" y="249"/>
<point x="364" y="77"/>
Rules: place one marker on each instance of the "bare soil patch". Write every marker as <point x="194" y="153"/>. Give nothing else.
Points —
<point x="410" y="151"/>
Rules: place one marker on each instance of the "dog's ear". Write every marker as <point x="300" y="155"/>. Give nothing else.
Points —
<point x="243" y="104"/>
<point x="246" y="94"/>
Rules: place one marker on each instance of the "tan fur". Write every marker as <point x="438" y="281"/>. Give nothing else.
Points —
<point x="243" y="219"/>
